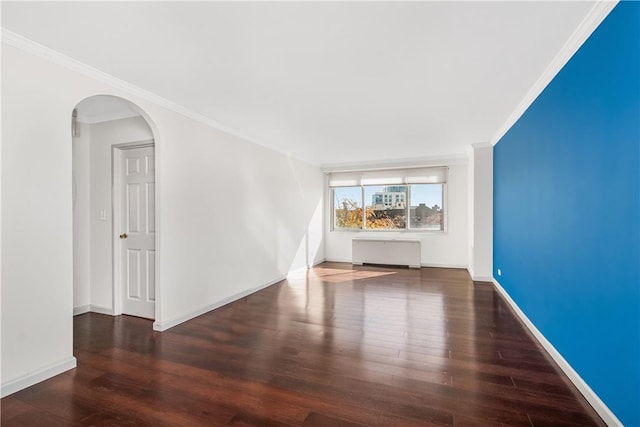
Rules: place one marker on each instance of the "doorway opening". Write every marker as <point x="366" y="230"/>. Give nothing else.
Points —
<point x="114" y="209"/>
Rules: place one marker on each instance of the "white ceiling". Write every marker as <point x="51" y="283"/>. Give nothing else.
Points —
<point x="329" y="82"/>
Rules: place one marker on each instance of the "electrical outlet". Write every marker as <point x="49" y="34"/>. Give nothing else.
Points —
<point x="499" y="272"/>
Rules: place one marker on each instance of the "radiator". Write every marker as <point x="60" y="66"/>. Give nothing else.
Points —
<point x="386" y="251"/>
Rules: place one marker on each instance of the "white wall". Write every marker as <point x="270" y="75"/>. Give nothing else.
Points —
<point x="103" y="136"/>
<point x="37" y="234"/>
<point x="448" y="249"/>
<point x="481" y="212"/>
<point x="248" y="237"/>
<point x="470" y="208"/>
<point x="208" y="250"/>
<point x="81" y="207"/>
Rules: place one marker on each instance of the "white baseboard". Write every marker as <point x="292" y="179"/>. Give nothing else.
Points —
<point x="318" y="262"/>
<point x="37" y="376"/>
<point x="601" y="408"/>
<point x="100" y="309"/>
<point x="306" y="268"/>
<point x="81" y="309"/>
<point x="478" y="278"/>
<point x="337" y="260"/>
<point x="167" y="324"/>
<point x="457" y="266"/>
<point x="93" y="309"/>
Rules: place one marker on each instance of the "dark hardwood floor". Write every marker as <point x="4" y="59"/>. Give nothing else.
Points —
<point x="337" y="346"/>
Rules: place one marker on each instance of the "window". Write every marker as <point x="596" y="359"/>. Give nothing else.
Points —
<point x="390" y="215"/>
<point x="405" y="199"/>
<point x="347" y="207"/>
<point x="426" y="208"/>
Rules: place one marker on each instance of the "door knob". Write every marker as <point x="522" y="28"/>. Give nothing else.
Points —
<point x="124" y="235"/>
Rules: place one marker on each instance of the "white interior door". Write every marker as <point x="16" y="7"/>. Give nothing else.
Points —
<point x="137" y="236"/>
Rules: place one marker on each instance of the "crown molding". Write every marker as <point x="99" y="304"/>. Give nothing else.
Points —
<point x="29" y="46"/>
<point x="591" y="21"/>
<point x="481" y="145"/>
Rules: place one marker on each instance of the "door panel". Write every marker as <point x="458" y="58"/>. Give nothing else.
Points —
<point x="133" y="208"/>
<point x="151" y="207"/>
<point x="133" y="274"/>
<point x="137" y="242"/>
<point x="151" y="275"/>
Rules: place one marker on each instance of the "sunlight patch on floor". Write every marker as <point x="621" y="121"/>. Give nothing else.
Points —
<point x="334" y="275"/>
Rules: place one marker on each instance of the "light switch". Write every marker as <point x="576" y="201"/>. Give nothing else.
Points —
<point x="103" y="214"/>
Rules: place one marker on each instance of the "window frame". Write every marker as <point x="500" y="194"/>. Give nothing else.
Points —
<point x="407" y="229"/>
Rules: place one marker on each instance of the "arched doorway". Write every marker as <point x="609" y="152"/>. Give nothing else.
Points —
<point x="114" y="209"/>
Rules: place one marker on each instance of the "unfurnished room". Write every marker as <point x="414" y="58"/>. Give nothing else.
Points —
<point x="320" y="213"/>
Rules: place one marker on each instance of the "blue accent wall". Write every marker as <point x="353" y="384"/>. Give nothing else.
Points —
<point x="567" y="212"/>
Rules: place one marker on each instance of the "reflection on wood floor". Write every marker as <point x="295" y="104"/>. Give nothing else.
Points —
<point x="335" y="346"/>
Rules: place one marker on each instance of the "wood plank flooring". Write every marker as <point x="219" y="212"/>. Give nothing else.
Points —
<point x="335" y="346"/>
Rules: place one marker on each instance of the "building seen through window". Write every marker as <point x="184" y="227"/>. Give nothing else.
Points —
<point x="416" y="207"/>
